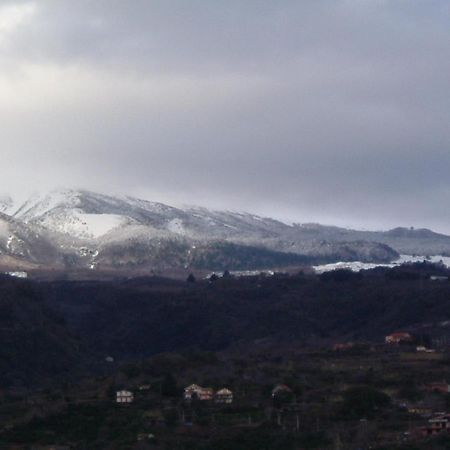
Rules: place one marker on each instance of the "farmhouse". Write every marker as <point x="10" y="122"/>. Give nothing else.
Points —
<point x="281" y="389"/>
<point x="196" y="392"/>
<point x="439" y="387"/>
<point x="124" y="397"/>
<point x="224" y="396"/>
<point x="396" y="338"/>
<point x="437" y="425"/>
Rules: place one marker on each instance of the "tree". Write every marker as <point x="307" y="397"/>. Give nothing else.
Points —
<point x="169" y="387"/>
<point x="191" y="278"/>
<point x="364" y="401"/>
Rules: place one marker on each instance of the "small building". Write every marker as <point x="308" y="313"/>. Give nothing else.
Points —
<point x="439" y="387"/>
<point x="281" y="389"/>
<point x="196" y="392"/>
<point x="124" y="397"/>
<point x="421" y="410"/>
<point x="437" y="425"/>
<point x="423" y="349"/>
<point x="397" y="338"/>
<point x="145" y="436"/>
<point x="224" y="396"/>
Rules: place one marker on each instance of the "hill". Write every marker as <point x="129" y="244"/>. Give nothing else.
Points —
<point x="62" y="327"/>
<point x="70" y="229"/>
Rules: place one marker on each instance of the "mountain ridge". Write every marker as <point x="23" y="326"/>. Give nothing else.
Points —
<point x="92" y="230"/>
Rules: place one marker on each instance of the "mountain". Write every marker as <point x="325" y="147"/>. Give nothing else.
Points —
<point x="82" y="229"/>
<point x="22" y="246"/>
<point x="408" y="241"/>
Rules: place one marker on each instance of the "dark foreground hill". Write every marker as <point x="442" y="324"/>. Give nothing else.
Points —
<point x="62" y="329"/>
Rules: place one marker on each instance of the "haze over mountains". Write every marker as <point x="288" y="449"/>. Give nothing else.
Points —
<point x="67" y="229"/>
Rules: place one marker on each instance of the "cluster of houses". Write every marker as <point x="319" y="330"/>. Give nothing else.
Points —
<point x="192" y="392"/>
<point x="436" y="425"/>
<point x="196" y="392"/>
<point x="399" y="337"/>
<point x="403" y="337"/>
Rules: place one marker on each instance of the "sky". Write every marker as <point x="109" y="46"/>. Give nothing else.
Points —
<point x="330" y="111"/>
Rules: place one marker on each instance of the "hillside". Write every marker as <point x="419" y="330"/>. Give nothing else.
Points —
<point x="57" y="328"/>
<point x="70" y="229"/>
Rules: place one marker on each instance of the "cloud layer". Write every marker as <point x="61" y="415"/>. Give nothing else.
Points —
<point x="314" y="110"/>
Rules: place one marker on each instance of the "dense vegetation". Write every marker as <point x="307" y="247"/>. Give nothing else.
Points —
<point x="56" y="327"/>
<point x="69" y="345"/>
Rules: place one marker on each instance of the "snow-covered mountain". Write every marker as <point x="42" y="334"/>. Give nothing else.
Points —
<point x="6" y="204"/>
<point x="79" y="228"/>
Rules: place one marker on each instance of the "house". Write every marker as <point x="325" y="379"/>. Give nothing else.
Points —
<point x="423" y="349"/>
<point x="281" y="389"/>
<point x="439" y="387"/>
<point x="436" y="425"/>
<point x="145" y="436"/>
<point x="124" y="397"/>
<point x="224" y="396"/>
<point x="396" y="338"/>
<point x="421" y="410"/>
<point x="196" y="392"/>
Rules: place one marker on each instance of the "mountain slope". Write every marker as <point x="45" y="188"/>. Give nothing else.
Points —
<point x="80" y="228"/>
<point x="403" y="240"/>
<point x="23" y="246"/>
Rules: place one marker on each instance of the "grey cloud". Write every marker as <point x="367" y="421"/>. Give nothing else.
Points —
<point x="327" y="110"/>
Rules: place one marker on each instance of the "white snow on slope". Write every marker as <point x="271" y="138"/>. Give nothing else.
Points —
<point x="176" y="226"/>
<point x="97" y="225"/>
<point x="82" y="225"/>
<point x="356" y="266"/>
<point x="38" y="205"/>
<point x="4" y="230"/>
<point x="6" y="204"/>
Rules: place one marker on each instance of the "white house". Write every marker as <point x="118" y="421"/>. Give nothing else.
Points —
<point x="224" y="396"/>
<point x="124" y="397"/>
<point x="194" y="391"/>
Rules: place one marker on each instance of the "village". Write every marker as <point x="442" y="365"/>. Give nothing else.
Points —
<point x="353" y="395"/>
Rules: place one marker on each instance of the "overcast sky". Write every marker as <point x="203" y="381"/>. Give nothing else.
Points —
<point x="333" y="111"/>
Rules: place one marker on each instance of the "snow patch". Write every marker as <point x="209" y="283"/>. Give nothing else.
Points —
<point x="356" y="266"/>
<point x="17" y="274"/>
<point x="176" y="226"/>
<point x="39" y="205"/>
<point x="6" y="205"/>
<point x="82" y="225"/>
<point x="97" y="225"/>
